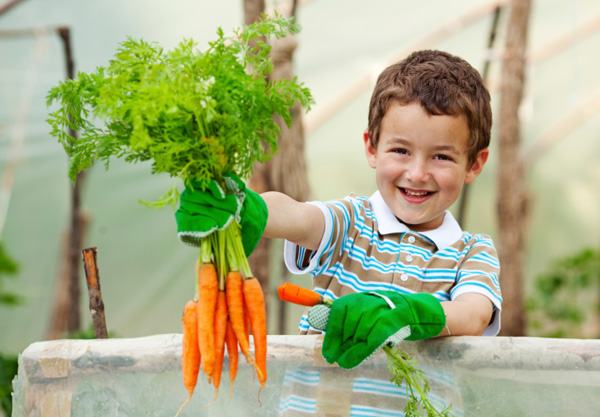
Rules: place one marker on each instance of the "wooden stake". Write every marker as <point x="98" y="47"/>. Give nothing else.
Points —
<point x="511" y="192"/>
<point x="94" y="292"/>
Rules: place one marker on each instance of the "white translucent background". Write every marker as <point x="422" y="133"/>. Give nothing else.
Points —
<point x="146" y="274"/>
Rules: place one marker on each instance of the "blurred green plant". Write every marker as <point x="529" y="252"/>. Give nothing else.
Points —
<point x="8" y="269"/>
<point x="566" y="298"/>
<point x="8" y="362"/>
<point x="87" y="333"/>
<point x="8" y="371"/>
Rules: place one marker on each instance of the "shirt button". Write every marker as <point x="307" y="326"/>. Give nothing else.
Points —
<point x="403" y="277"/>
<point x="409" y="258"/>
<point x="411" y="239"/>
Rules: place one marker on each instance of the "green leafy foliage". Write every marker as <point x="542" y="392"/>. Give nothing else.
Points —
<point x="8" y="362"/>
<point x="8" y="269"/>
<point x="567" y="296"/>
<point x="86" y="334"/>
<point x="193" y="114"/>
<point x="405" y="370"/>
<point x="8" y="371"/>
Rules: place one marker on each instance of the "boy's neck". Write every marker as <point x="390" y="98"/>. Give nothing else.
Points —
<point x="443" y="236"/>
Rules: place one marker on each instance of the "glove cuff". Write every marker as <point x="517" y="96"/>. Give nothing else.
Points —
<point x="429" y="316"/>
<point x="204" y="211"/>
<point x="194" y="237"/>
<point x="253" y="220"/>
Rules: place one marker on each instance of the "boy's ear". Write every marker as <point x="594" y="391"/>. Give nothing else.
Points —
<point x="475" y="169"/>
<point x="370" y="151"/>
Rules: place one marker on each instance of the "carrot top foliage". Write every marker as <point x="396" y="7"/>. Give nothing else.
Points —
<point x="193" y="114"/>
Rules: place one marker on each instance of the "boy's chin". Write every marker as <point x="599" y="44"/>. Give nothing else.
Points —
<point x="425" y="225"/>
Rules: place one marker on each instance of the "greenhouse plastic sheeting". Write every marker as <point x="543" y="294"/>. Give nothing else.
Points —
<point x="142" y="377"/>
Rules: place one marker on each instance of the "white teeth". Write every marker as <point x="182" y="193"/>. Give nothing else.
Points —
<point x="416" y="194"/>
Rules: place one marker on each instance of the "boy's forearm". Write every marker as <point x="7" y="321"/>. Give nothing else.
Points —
<point x="468" y="315"/>
<point x="289" y="219"/>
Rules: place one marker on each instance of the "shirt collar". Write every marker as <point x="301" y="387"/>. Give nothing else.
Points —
<point x="387" y="223"/>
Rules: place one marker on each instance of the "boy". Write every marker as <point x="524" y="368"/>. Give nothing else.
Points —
<point x="397" y="258"/>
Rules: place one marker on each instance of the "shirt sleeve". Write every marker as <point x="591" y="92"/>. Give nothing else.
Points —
<point x="479" y="274"/>
<point x="339" y="217"/>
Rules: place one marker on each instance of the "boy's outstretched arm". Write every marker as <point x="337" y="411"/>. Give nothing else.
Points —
<point x="468" y="315"/>
<point x="297" y="222"/>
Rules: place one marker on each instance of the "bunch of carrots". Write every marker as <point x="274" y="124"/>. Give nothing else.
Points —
<point x="193" y="115"/>
<point x="228" y="305"/>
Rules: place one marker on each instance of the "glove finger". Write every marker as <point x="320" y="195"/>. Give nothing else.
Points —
<point x="211" y="197"/>
<point x="342" y="326"/>
<point x="334" y="332"/>
<point x="358" y="327"/>
<point x="210" y="202"/>
<point x="366" y="341"/>
<point x="355" y="354"/>
<point x="215" y="190"/>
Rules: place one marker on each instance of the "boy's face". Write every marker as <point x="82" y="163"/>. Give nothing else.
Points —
<point x="421" y="163"/>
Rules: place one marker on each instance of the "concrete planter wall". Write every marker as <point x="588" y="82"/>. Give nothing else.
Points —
<point x="142" y="377"/>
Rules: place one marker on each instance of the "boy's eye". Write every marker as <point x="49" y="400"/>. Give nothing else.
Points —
<point x="400" y="151"/>
<point x="442" y="157"/>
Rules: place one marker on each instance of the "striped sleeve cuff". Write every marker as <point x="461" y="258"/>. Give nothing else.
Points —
<point x="294" y="255"/>
<point x="473" y="287"/>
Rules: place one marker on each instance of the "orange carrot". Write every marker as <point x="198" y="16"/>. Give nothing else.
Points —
<point x="232" y="352"/>
<point x="255" y="301"/>
<point x="246" y="323"/>
<point x="298" y="295"/>
<point x="190" y="354"/>
<point x="220" y="332"/>
<point x="207" y="294"/>
<point x="235" y="304"/>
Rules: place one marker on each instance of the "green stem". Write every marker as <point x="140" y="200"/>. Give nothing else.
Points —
<point x="197" y="287"/>
<point x="206" y="250"/>
<point x="220" y="258"/>
<point x="414" y="380"/>
<point x="205" y="256"/>
<point x="232" y="259"/>
<point x="236" y="251"/>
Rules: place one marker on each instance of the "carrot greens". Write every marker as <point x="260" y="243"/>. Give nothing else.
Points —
<point x="405" y="369"/>
<point x="193" y="114"/>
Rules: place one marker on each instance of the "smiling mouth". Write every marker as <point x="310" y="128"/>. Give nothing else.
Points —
<point x="415" y="195"/>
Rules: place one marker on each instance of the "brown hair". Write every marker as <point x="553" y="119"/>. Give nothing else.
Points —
<point x="442" y="84"/>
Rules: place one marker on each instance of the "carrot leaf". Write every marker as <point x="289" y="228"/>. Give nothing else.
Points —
<point x="192" y="114"/>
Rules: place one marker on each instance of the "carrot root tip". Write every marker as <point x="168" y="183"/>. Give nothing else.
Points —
<point x="183" y="405"/>
<point x="261" y="388"/>
<point x="210" y="403"/>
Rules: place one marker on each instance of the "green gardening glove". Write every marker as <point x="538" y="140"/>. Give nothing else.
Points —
<point x="360" y="323"/>
<point x="202" y="212"/>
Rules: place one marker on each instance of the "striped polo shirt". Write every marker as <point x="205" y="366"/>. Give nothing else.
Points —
<point x="365" y="248"/>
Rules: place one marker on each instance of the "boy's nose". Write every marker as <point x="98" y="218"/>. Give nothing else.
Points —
<point x="418" y="172"/>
